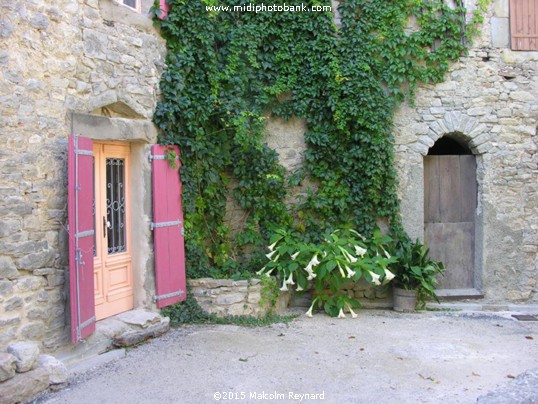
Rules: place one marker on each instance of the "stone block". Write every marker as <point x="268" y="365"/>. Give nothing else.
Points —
<point x="7" y="366"/>
<point x="254" y="297"/>
<point x="370" y="293"/>
<point x="478" y="111"/>
<point x="134" y="337"/>
<point x="37" y="313"/>
<point x="34" y="331"/>
<point x="230" y="298"/>
<point x="37" y="260"/>
<point x="500" y="8"/>
<point x="56" y="279"/>
<point x="522" y="96"/>
<point x="8" y="269"/>
<point x="500" y="32"/>
<point x="437" y="110"/>
<point x="55" y="368"/>
<point x="9" y="321"/>
<point x="26" y="354"/>
<point x="30" y="283"/>
<point x="504" y="113"/>
<point x="238" y="309"/>
<point x="140" y="318"/>
<point x="24" y="387"/>
<point x="40" y="21"/>
<point x="13" y="303"/>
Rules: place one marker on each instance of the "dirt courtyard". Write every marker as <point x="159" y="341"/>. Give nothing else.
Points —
<point x="379" y="357"/>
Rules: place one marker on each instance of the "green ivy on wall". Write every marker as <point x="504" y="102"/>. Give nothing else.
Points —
<point x="227" y="72"/>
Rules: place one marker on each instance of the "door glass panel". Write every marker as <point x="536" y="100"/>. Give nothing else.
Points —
<point x="130" y="3"/>
<point x="115" y="205"/>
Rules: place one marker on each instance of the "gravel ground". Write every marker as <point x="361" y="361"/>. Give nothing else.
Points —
<point x="379" y="357"/>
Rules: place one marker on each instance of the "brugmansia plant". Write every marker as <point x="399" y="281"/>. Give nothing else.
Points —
<point x="343" y="256"/>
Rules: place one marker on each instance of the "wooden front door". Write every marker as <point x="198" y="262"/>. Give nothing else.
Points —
<point x="450" y="195"/>
<point x="113" y="278"/>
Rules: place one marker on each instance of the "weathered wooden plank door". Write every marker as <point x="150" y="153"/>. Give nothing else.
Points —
<point x="167" y="226"/>
<point x="449" y="216"/>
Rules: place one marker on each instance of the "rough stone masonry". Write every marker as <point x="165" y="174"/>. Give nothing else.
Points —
<point x="92" y="57"/>
<point x="57" y="57"/>
<point x="490" y="101"/>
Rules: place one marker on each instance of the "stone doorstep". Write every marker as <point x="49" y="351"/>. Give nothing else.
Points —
<point x="125" y="329"/>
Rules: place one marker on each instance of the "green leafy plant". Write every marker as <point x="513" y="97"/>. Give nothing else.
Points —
<point x="171" y="156"/>
<point x="220" y="86"/>
<point x="190" y="312"/>
<point x="415" y="270"/>
<point x="342" y="256"/>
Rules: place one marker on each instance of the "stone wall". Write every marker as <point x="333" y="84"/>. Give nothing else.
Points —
<point x="25" y="373"/>
<point x="226" y="297"/>
<point x="58" y="57"/>
<point x="489" y="101"/>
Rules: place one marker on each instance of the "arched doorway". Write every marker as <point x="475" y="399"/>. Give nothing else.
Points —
<point x="450" y="200"/>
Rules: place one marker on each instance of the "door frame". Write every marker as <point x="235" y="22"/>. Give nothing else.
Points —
<point x="473" y="292"/>
<point x="124" y="299"/>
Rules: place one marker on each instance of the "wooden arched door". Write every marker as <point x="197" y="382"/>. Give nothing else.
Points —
<point x="450" y="198"/>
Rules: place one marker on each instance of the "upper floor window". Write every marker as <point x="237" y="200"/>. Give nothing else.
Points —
<point x="134" y="4"/>
<point x="524" y="25"/>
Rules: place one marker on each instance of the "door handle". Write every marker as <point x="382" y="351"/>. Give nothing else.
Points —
<point x="104" y="226"/>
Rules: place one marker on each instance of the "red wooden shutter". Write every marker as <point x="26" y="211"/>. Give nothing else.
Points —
<point x="81" y="236"/>
<point x="164" y="7"/>
<point x="524" y="24"/>
<point x="167" y="229"/>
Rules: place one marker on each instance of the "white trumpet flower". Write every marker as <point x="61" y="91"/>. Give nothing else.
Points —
<point x="341" y="314"/>
<point x="284" y="287"/>
<point x="272" y="246"/>
<point x="350" y="272"/>
<point x="261" y="270"/>
<point x="375" y="278"/>
<point x="268" y="273"/>
<point x="353" y="314"/>
<point x="341" y="271"/>
<point x="348" y="256"/>
<point x="299" y="288"/>
<point x="314" y="261"/>
<point x="309" y="312"/>
<point x="360" y="251"/>
<point x="295" y="255"/>
<point x="388" y="275"/>
<point x="290" y="280"/>
<point x="270" y="255"/>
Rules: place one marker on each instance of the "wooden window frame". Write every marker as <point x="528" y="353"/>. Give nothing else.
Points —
<point x="138" y="7"/>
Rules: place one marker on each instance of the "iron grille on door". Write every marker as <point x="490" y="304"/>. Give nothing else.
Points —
<point x="115" y="205"/>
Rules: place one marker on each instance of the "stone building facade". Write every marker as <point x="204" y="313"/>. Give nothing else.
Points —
<point x="88" y="67"/>
<point x="489" y="106"/>
<point x="92" y="67"/>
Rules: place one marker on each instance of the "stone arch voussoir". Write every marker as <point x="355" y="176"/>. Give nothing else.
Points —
<point x="463" y="126"/>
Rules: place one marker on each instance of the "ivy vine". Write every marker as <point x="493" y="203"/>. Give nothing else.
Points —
<point x="228" y="72"/>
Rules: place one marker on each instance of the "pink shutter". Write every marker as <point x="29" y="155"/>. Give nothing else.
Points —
<point x="167" y="229"/>
<point x="164" y="7"/>
<point x="81" y="236"/>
